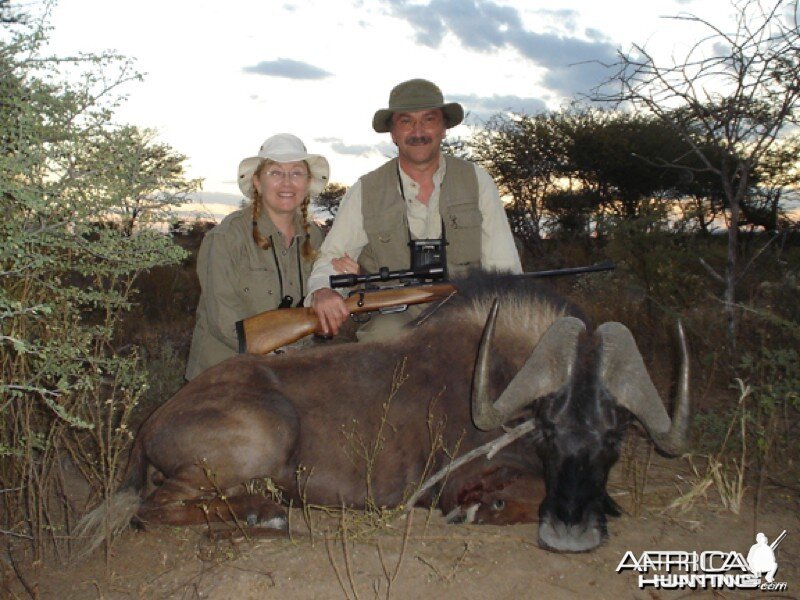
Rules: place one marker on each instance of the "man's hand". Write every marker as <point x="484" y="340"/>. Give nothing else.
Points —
<point x="330" y="310"/>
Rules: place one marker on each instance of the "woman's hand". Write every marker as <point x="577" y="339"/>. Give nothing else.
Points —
<point x="345" y="265"/>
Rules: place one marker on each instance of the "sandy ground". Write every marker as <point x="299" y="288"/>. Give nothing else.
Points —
<point x="431" y="559"/>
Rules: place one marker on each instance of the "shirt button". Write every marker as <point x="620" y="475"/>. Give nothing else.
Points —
<point x="283" y="252"/>
<point x="246" y="290"/>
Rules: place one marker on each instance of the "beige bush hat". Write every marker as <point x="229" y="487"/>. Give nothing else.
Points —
<point x="414" y="95"/>
<point x="284" y="148"/>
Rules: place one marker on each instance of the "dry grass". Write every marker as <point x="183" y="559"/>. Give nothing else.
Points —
<point x="723" y="473"/>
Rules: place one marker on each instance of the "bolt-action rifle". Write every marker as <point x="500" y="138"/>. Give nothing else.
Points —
<point x="272" y="329"/>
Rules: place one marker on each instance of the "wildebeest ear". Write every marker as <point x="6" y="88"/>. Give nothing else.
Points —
<point x="623" y="373"/>
<point x="547" y="370"/>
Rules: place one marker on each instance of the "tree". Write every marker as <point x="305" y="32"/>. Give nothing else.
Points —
<point x="526" y="157"/>
<point x="563" y="169"/>
<point x="735" y="92"/>
<point x="621" y="157"/>
<point x="66" y="278"/>
<point x="777" y="172"/>
<point x="329" y="200"/>
<point x="142" y="178"/>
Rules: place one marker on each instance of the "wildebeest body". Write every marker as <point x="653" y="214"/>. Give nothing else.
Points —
<point x="262" y="433"/>
<point x="311" y="420"/>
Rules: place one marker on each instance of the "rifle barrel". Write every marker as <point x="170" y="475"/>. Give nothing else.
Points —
<point x="777" y="540"/>
<point x="606" y="265"/>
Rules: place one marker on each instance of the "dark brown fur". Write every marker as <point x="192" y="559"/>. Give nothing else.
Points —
<point x="301" y="419"/>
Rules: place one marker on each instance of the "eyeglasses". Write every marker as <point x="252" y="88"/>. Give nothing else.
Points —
<point x="294" y="176"/>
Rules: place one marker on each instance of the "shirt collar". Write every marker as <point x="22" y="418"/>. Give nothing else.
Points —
<point x="408" y="182"/>
<point x="267" y="228"/>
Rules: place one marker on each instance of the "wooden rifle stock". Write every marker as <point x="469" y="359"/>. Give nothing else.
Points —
<point x="272" y="329"/>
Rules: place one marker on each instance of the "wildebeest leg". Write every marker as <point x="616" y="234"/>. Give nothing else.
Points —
<point x="181" y="501"/>
<point x="245" y="510"/>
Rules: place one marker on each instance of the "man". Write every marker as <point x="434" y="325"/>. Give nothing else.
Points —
<point x="413" y="196"/>
<point x="761" y="558"/>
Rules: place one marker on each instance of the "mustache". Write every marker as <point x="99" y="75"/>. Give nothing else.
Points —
<point x="418" y="140"/>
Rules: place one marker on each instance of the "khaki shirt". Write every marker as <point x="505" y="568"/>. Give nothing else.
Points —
<point x="238" y="280"/>
<point x="347" y="235"/>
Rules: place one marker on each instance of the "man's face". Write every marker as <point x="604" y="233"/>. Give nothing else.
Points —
<point x="418" y="134"/>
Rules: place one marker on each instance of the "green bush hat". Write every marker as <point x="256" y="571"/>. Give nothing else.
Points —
<point x="414" y="95"/>
<point x="284" y="148"/>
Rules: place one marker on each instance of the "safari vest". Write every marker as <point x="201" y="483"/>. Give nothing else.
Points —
<point x="386" y="221"/>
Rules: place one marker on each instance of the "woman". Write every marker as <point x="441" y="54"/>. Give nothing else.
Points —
<point x="258" y="258"/>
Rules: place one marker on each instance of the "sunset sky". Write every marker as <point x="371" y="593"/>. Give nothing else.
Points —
<point x="220" y="77"/>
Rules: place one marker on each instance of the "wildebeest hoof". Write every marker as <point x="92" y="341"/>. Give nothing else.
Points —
<point x="454" y="517"/>
<point x="280" y="522"/>
<point x="459" y="515"/>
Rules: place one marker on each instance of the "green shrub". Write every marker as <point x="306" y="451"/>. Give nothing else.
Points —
<point x="66" y="276"/>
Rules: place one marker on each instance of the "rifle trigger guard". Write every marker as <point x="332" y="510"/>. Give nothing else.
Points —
<point x="360" y="302"/>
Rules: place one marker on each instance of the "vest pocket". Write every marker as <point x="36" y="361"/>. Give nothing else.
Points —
<point x="464" y="217"/>
<point x="463" y="224"/>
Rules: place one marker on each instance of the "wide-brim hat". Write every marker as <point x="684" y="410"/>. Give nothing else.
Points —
<point x="284" y="148"/>
<point x="414" y="95"/>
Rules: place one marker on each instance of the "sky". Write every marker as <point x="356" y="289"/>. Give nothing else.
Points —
<point x="221" y="77"/>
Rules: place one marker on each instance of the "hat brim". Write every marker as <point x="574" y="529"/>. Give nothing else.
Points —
<point x="453" y="115"/>
<point x="317" y="164"/>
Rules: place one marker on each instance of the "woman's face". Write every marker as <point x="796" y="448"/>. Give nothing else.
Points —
<point x="282" y="186"/>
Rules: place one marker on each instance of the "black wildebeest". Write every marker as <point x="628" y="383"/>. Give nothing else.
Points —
<point x="254" y="417"/>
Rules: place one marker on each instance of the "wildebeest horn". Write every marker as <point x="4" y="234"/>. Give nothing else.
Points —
<point x="547" y="370"/>
<point x="623" y="373"/>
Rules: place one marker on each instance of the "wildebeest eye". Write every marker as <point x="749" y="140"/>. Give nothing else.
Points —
<point x="498" y="504"/>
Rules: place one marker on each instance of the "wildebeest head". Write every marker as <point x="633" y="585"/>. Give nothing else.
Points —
<point x="584" y="390"/>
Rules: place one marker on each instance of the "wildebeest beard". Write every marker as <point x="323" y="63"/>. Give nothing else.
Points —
<point x="418" y="140"/>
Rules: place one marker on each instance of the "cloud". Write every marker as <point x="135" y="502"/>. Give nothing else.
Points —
<point x="288" y="68"/>
<point x="351" y="149"/>
<point x="387" y="149"/>
<point x="565" y="18"/>
<point x="480" y="108"/>
<point x="340" y="147"/>
<point x="485" y="26"/>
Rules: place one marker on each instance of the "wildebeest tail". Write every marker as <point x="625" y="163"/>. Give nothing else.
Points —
<point x="113" y="515"/>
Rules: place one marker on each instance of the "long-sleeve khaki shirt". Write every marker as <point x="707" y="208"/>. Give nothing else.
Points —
<point x="347" y="235"/>
<point x="238" y="280"/>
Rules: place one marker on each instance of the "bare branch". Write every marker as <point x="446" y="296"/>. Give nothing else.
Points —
<point x="489" y="449"/>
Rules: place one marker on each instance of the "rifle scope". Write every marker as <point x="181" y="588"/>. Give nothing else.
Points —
<point x="384" y="274"/>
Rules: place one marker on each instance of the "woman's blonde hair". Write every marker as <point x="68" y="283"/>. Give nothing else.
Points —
<point x="308" y="252"/>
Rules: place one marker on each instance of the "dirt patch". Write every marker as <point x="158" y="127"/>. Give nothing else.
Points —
<point x="430" y="558"/>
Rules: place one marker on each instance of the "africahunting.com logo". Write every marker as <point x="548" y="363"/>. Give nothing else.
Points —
<point x="713" y="569"/>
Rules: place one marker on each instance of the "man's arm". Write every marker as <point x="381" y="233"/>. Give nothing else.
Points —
<point x="346" y="237"/>
<point x="498" y="251"/>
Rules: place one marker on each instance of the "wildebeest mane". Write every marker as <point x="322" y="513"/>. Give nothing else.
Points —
<point x="527" y="306"/>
